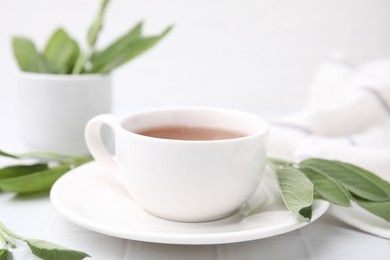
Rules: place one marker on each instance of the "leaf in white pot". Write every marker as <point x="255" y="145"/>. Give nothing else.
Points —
<point x="97" y="24"/>
<point x="100" y="58"/>
<point x="61" y="52"/>
<point x="27" y="56"/>
<point x="125" y="53"/>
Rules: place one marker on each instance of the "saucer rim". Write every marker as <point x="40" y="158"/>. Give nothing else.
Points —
<point x="319" y="208"/>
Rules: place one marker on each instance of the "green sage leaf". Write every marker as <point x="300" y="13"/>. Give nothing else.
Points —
<point x="5" y="254"/>
<point x="50" y="251"/>
<point x="378" y="208"/>
<point x="27" y="55"/>
<point x="53" y="156"/>
<point x="328" y="188"/>
<point x="297" y="191"/>
<point x="383" y="184"/>
<point x="133" y="49"/>
<point x="8" y="155"/>
<point x="276" y="162"/>
<point x="20" y="170"/>
<point x="360" y="182"/>
<point x="38" y="181"/>
<point x="61" y="52"/>
<point x="100" y="58"/>
<point x="97" y="24"/>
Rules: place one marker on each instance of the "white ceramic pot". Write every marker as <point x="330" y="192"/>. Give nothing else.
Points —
<point x="54" y="109"/>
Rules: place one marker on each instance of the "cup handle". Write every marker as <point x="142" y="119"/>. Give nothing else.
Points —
<point x="95" y="143"/>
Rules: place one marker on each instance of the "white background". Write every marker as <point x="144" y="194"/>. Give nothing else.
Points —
<point x="254" y="55"/>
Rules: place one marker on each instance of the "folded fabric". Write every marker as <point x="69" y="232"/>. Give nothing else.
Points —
<point x="347" y="118"/>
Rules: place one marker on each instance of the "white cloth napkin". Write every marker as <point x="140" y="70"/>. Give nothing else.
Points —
<point x="347" y="118"/>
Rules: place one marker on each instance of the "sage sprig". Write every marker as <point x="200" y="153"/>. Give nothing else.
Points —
<point x="297" y="191"/>
<point x="63" y="55"/>
<point x="335" y="181"/>
<point x="43" y="249"/>
<point x="5" y="254"/>
<point x="39" y="176"/>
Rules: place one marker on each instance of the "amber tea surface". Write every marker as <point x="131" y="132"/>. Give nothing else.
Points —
<point x="190" y="133"/>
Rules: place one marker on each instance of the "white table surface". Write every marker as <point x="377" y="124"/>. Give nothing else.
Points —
<point x="34" y="216"/>
<point x="265" y="68"/>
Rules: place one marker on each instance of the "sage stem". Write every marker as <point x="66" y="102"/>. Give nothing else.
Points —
<point x="82" y="60"/>
<point x="93" y="34"/>
<point x="5" y="239"/>
<point x="7" y="233"/>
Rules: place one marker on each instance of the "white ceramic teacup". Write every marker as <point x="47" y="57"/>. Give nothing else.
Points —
<point x="184" y="180"/>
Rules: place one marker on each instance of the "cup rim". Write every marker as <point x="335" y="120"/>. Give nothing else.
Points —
<point x="66" y="77"/>
<point x="264" y="130"/>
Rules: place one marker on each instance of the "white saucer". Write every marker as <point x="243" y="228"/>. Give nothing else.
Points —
<point x="91" y="198"/>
